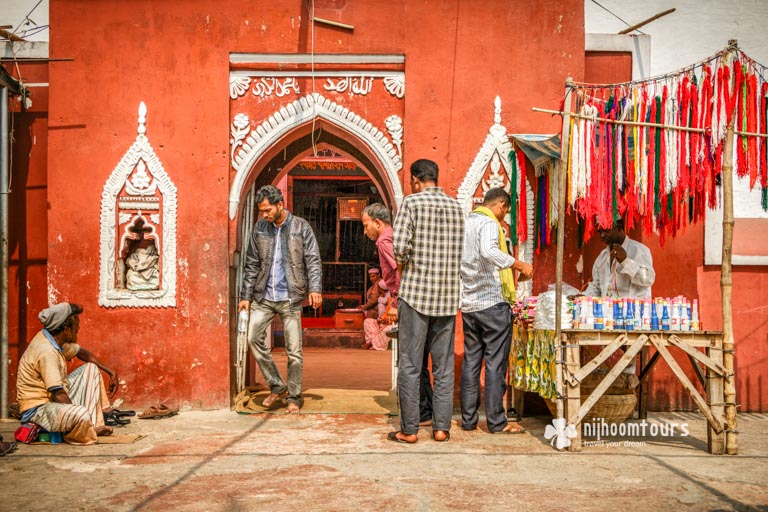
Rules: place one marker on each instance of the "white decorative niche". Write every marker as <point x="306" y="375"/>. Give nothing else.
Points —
<point x="491" y="169"/>
<point x="138" y="223"/>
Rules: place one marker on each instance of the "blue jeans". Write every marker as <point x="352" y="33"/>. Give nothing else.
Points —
<point x="487" y="336"/>
<point x="262" y="314"/>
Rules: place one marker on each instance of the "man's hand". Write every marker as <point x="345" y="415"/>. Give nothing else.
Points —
<point x="525" y="269"/>
<point x="391" y="315"/>
<point x="61" y="397"/>
<point x="114" y="384"/>
<point x="315" y="300"/>
<point x="243" y="305"/>
<point x="618" y="253"/>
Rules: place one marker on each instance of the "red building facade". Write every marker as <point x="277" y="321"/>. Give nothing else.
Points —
<point x="236" y="97"/>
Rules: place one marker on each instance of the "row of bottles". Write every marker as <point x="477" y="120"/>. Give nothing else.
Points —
<point x="659" y="314"/>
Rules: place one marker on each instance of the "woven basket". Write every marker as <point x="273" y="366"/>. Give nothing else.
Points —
<point x="611" y="408"/>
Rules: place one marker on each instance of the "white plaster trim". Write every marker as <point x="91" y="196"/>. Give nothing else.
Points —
<point x="496" y="142"/>
<point x="109" y="296"/>
<point x="302" y="111"/>
<point x="319" y="73"/>
<point x="317" y="58"/>
<point x="495" y="150"/>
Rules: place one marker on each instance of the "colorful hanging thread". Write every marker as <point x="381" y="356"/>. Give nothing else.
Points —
<point x="663" y="177"/>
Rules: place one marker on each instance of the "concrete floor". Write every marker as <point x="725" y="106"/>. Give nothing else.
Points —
<point x="222" y="461"/>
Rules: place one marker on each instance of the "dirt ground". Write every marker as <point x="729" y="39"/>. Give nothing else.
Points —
<point x="221" y="461"/>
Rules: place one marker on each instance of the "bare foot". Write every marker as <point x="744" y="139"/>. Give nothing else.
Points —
<point x="366" y="346"/>
<point x="512" y="428"/>
<point x="104" y="431"/>
<point x="292" y="409"/>
<point x="272" y="398"/>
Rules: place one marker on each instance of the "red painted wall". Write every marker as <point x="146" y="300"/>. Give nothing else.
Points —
<point x="458" y="58"/>
<point x="27" y="244"/>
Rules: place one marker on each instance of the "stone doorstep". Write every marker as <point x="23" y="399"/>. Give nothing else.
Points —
<point x="327" y="338"/>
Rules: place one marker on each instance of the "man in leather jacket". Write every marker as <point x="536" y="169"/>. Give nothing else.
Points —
<point x="282" y="269"/>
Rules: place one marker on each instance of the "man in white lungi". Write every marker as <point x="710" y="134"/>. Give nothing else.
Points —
<point x="73" y="404"/>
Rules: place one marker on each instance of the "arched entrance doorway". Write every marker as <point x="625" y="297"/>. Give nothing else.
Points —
<point x="327" y="176"/>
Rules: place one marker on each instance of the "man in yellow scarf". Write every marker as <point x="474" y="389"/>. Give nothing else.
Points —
<point x="488" y="292"/>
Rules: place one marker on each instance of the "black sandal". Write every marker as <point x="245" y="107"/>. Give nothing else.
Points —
<point x="111" y="419"/>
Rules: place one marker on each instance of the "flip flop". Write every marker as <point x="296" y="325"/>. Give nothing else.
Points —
<point x="446" y="438"/>
<point x="6" y="448"/>
<point x="272" y="398"/>
<point x="392" y="436"/>
<point x="111" y="419"/>
<point x="120" y="414"/>
<point x="158" y="411"/>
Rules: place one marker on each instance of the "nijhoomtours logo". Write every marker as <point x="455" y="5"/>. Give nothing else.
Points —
<point x="629" y="434"/>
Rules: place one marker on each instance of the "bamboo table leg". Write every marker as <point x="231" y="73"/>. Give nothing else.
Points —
<point x="715" y="400"/>
<point x="573" y="391"/>
<point x="642" y="390"/>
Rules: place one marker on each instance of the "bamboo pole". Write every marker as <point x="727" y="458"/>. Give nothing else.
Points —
<point x="641" y="123"/>
<point x="726" y="290"/>
<point x="645" y="22"/>
<point x="561" y="184"/>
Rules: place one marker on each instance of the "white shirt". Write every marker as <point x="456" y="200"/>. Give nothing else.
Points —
<point x="632" y="278"/>
<point x="480" y="264"/>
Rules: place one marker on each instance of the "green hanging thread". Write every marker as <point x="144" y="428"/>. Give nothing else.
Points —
<point x="513" y="199"/>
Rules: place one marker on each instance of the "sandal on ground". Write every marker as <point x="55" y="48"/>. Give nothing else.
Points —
<point x="272" y="398"/>
<point x="441" y="435"/>
<point x="6" y="448"/>
<point x="120" y="414"/>
<point x="111" y="419"/>
<point x="399" y="436"/>
<point x="157" y="412"/>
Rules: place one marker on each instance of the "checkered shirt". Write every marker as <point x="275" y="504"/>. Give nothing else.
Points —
<point x="428" y="240"/>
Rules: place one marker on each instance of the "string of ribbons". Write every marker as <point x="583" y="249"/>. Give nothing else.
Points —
<point x="652" y="151"/>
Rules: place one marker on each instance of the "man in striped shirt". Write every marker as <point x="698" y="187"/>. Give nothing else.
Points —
<point x="428" y="238"/>
<point x="486" y="315"/>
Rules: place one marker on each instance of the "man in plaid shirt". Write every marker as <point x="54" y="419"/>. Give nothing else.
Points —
<point x="428" y="240"/>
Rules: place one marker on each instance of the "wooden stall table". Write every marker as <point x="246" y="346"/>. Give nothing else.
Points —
<point x="631" y="343"/>
<point x="533" y="368"/>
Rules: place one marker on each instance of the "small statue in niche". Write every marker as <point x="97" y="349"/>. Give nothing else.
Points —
<point x="143" y="260"/>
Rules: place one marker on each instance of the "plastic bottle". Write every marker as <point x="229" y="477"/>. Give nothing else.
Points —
<point x="589" y="324"/>
<point x="629" y="318"/>
<point x="599" y="320"/>
<point x="575" y="312"/>
<point x="608" y="312"/>
<point x="646" y="318"/>
<point x="242" y="321"/>
<point x="685" y="318"/>
<point x="654" y="317"/>
<point x="637" y="319"/>
<point x="665" y="317"/>
<point x="618" y="315"/>
<point x="695" y="323"/>
<point x="674" y="315"/>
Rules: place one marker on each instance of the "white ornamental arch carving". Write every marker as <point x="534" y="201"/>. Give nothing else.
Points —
<point x="122" y="202"/>
<point x="494" y="153"/>
<point x="292" y="115"/>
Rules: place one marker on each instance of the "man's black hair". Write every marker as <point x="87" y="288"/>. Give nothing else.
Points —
<point x="495" y="195"/>
<point x="270" y="193"/>
<point x="424" y="170"/>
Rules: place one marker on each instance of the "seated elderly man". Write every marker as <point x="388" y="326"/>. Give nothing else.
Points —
<point x="73" y="404"/>
<point x="377" y="327"/>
